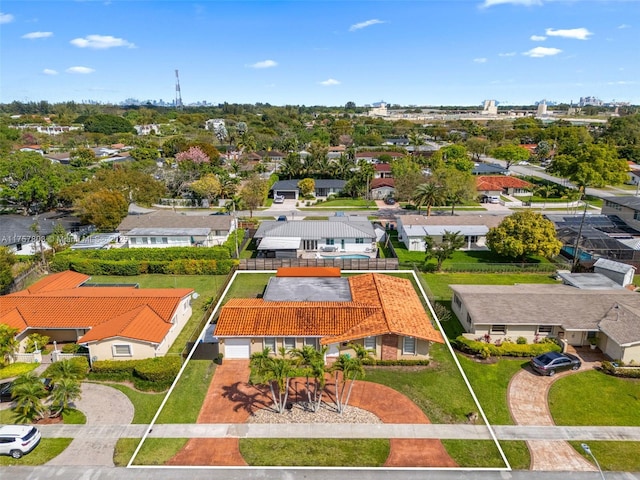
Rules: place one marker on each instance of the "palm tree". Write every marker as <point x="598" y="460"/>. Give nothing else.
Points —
<point x="344" y="166"/>
<point x="362" y="352"/>
<point x="428" y="194"/>
<point x="9" y="345"/>
<point x="291" y="166"/>
<point x="28" y="392"/>
<point x="545" y="191"/>
<point x="66" y="369"/>
<point x="351" y="369"/>
<point x="417" y="140"/>
<point x="276" y="372"/>
<point x="313" y="360"/>
<point x="65" y="391"/>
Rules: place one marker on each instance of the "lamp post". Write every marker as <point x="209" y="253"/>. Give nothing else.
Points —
<point x="588" y="451"/>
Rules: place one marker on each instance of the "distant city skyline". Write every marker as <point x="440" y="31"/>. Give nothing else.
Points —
<point x="412" y="52"/>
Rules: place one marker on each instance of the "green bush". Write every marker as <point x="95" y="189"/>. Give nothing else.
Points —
<point x="618" y="370"/>
<point x="521" y="341"/>
<point x="504" y="349"/>
<point x="76" y="367"/>
<point x="147" y="374"/>
<point x="159" y="369"/>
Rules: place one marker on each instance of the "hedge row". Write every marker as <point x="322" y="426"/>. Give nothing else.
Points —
<point x="505" y="349"/>
<point x="152" y="254"/>
<point x="139" y="267"/>
<point x="162" y="370"/>
<point x="620" y="371"/>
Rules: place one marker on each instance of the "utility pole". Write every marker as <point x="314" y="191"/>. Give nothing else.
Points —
<point x="576" y="245"/>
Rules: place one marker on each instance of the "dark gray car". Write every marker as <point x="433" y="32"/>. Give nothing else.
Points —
<point x="551" y="362"/>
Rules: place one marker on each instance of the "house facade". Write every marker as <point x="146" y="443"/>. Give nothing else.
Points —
<point x="627" y="208"/>
<point x="381" y="188"/>
<point x="323" y="188"/>
<point x="329" y="311"/>
<point x="412" y="229"/>
<point x="611" y="317"/>
<point x="162" y="229"/>
<point x="333" y="238"/>
<point x="489" y="186"/>
<point x="114" y="322"/>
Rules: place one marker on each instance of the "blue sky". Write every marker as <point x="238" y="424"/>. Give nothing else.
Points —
<point x="304" y="52"/>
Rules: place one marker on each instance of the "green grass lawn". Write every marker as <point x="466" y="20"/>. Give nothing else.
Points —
<point x="248" y="285"/>
<point x="478" y="453"/>
<point x="185" y="401"/>
<point x="70" y="417"/>
<point x="341" y="202"/>
<point x="154" y="451"/>
<point x="613" y="456"/>
<point x="316" y="452"/>
<point x="47" y="450"/>
<point x="16" y="369"/>
<point x="594" y="398"/>
<point x="145" y="404"/>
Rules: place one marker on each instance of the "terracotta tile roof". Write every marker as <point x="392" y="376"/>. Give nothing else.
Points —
<point x="308" y="272"/>
<point x="143" y="314"/>
<point x="57" y="281"/>
<point x="382" y="167"/>
<point x="498" y="182"/>
<point x="381" y="304"/>
<point x="382" y="182"/>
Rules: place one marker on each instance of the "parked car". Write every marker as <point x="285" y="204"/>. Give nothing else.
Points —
<point x="18" y="440"/>
<point x="5" y="391"/>
<point x="390" y="201"/>
<point x="551" y="362"/>
<point x="282" y="218"/>
<point x="48" y="384"/>
<point x="278" y="199"/>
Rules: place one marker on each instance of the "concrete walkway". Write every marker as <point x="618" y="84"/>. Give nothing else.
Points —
<point x="528" y="404"/>
<point x="104" y="407"/>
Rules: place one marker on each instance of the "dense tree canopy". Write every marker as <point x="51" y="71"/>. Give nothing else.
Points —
<point x="523" y="234"/>
<point x="107" y="124"/>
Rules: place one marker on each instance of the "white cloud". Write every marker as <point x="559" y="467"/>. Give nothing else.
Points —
<point x="34" y="35"/>
<point x="537" y="38"/>
<point x="577" y="33"/>
<point x="82" y="70"/>
<point x="264" y="64"/>
<point x="622" y="82"/>
<point x="479" y="60"/>
<point x="49" y="71"/>
<point x="507" y="54"/>
<point x="526" y="3"/>
<point x="6" y="18"/>
<point x="330" y="82"/>
<point x="101" y="42"/>
<point x="368" y="23"/>
<point x="623" y="26"/>
<point x="540" y="52"/>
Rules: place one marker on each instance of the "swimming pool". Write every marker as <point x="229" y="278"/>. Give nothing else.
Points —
<point x="346" y="257"/>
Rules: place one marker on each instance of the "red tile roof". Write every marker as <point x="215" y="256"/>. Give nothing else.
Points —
<point x="58" y="301"/>
<point x="380" y="304"/>
<point x="382" y="182"/>
<point x="499" y="182"/>
<point x="382" y="167"/>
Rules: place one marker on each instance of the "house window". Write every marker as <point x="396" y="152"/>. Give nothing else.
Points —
<point x="133" y="240"/>
<point x="370" y="343"/>
<point x="289" y="343"/>
<point x="121" y="350"/>
<point x="546" y="329"/>
<point x="270" y="343"/>
<point x="469" y="319"/>
<point x="456" y="300"/>
<point x="165" y="240"/>
<point x="311" y="342"/>
<point x="471" y="239"/>
<point x="499" y="329"/>
<point x="408" y="346"/>
<point x="612" y="205"/>
<point x="359" y="240"/>
<point x="154" y="240"/>
<point x="310" y="244"/>
<point x="636" y="215"/>
<point x="145" y="240"/>
<point x="330" y="241"/>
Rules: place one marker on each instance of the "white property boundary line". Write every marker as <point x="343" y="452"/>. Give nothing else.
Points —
<point x="201" y="335"/>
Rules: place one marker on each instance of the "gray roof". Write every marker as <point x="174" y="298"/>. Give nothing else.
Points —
<point x="622" y="324"/>
<point x="452" y="220"/>
<point x="630" y="201"/>
<point x="95" y="241"/>
<point x="316" y="229"/>
<point x="604" y="264"/>
<point x="308" y="289"/>
<point x="290" y="185"/>
<point x="488" y="169"/>
<point x="280" y="243"/>
<point x="533" y="304"/>
<point x="167" y="219"/>
<point x="169" y="232"/>
<point x="16" y="229"/>
<point x="438" y="230"/>
<point x="588" y="281"/>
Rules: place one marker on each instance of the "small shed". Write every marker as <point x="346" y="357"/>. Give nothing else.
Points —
<point x="620" y="273"/>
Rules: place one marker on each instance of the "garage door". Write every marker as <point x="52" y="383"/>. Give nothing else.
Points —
<point x="236" y="348"/>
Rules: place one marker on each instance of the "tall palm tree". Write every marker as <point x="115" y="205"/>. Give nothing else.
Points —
<point x="313" y="361"/>
<point x="276" y="372"/>
<point x="429" y="194"/>
<point x="417" y="140"/>
<point x="344" y="167"/>
<point x="346" y="370"/>
<point x="545" y="191"/>
<point x="9" y="345"/>
<point x="291" y="166"/>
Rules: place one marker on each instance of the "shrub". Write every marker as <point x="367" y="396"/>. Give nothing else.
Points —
<point x="509" y="349"/>
<point x="618" y="370"/>
<point x="35" y="341"/>
<point x="159" y="369"/>
<point x="73" y="348"/>
<point x="521" y="341"/>
<point x="147" y="374"/>
<point x="76" y="367"/>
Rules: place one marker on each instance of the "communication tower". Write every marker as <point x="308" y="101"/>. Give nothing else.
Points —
<point x="178" y="94"/>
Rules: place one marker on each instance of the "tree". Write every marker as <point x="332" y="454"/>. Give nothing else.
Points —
<point x="458" y="186"/>
<point x="407" y="176"/>
<point x="346" y="370"/>
<point x="65" y="391"/>
<point x="276" y="372"/>
<point x="105" y="209"/>
<point x="58" y="237"/>
<point x="443" y="250"/>
<point x="313" y="362"/>
<point x="511" y="154"/>
<point x="194" y="155"/>
<point x="7" y="260"/>
<point x="9" y="344"/>
<point x="429" y="194"/>
<point x="523" y="234"/>
<point x="81" y="157"/>
<point x="36" y="342"/>
<point x="107" y="124"/>
<point x="545" y="191"/>
<point x="28" y="393"/>
<point x="144" y="154"/>
<point x="307" y="186"/>
<point x="477" y="146"/>
<point x="208" y="187"/>
<point x="253" y="193"/>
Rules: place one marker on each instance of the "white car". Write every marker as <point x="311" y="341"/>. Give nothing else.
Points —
<point x="524" y="162"/>
<point x="17" y="440"/>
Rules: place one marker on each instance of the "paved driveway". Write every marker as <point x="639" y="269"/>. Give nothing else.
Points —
<point x="102" y="405"/>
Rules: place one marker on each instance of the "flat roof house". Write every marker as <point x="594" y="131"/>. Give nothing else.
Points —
<point x="323" y="188"/>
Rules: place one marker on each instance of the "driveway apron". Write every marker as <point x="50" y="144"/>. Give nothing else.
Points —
<point x="102" y="405"/>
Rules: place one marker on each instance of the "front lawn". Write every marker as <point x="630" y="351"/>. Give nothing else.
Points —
<point x="154" y="451"/>
<point x="69" y="417"/>
<point x="315" y="452"/>
<point x="248" y="285"/>
<point x="485" y="454"/>
<point x="613" y="456"/>
<point x="145" y="404"/>
<point x="16" y="369"/>
<point x="595" y="398"/>
<point x="47" y="450"/>
<point x="187" y="398"/>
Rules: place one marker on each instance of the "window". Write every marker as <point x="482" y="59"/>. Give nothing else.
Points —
<point x="165" y="240"/>
<point x="330" y="241"/>
<point x="471" y="239"/>
<point x="289" y="343"/>
<point x="370" y="343"/>
<point x="469" y="319"/>
<point x="359" y="240"/>
<point x="145" y="240"/>
<point x="310" y="244"/>
<point x="154" y="240"/>
<point x="121" y="350"/>
<point x="636" y="215"/>
<point x="270" y="343"/>
<point x="311" y="342"/>
<point x="133" y="240"/>
<point x="545" y="329"/>
<point x="501" y="329"/>
<point x="456" y="300"/>
<point x="612" y="205"/>
<point x="408" y="346"/>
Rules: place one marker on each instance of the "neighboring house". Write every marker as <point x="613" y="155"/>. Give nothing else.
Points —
<point x="161" y="229"/>
<point x="382" y="170"/>
<point x="627" y="208"/>
<point x="114" y="322"/>
<point x="98" y="241"/>
<point x="413" y="228"/>
<point x="381" y="312"/>
<point x="32" y="148"/>
<point x="489" y="169"/>
<point x="63" y="157"/>
<point x="17" y="232"/>
<point x="489" y="186"/>
<point x="149" y="129"/>
<point x="271" y="155"/>
<point x="336" y="237"/>
<point x="289" y="188"/>
<point x="373" y="157"/>
<point x="398" y="142"/>
<point x="570" y="314"/>
<point x="381" y="188"/>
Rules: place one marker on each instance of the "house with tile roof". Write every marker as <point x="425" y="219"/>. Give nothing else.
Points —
<point x="495" y="185"/>
<point x="379" y="311"/>
<point x="114" y="322"/>
<point x="335" y="237"/>
<point x="569" y="314"/>
<point x="412" y="229"/>
<point x="381" y="188"/>
<point x="165" y="228"/>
